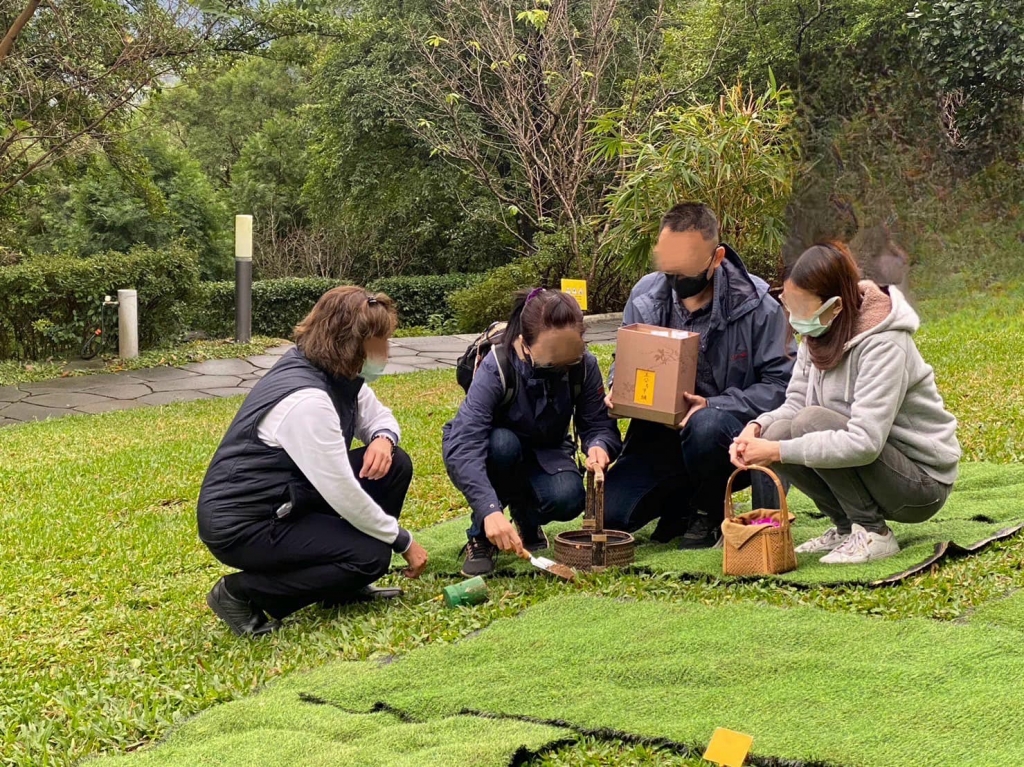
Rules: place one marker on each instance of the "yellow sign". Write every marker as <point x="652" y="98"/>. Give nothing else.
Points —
<point x="644" y="391"/>
<point x="578" y="290"/>
<point x="728" y="748"/>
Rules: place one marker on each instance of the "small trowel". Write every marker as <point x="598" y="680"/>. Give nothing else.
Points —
<point x="550" y="566"/>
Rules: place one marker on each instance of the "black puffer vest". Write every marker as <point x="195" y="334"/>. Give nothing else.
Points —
<point x="247" y="480"/>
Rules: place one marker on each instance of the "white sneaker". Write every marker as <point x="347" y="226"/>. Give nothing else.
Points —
<point x="861" y="547"/>
<point x="830" y="541"/>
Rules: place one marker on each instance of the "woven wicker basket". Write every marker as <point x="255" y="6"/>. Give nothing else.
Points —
<point x="769" y="550"/>
<point x="593" y="547"/>
<point x="575" y="549"/>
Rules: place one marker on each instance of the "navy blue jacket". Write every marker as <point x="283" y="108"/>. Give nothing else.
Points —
<point x="749" y="344"/>
<point x="539" y="415"/>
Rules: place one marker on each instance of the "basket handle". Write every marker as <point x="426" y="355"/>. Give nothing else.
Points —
<point x="729" y="509"/>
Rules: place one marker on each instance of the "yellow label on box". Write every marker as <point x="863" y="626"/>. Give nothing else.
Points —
<point x="578" y="290"/>
<point x="644" y="391"/>
<point x="728" y="748"/>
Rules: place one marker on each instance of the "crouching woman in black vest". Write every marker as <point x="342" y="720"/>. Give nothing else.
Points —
<point x="509" y="443"/>
<point x="286" y="500"/>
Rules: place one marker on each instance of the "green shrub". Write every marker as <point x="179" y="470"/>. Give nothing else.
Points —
<point x="48" y="304"/>
<point x="490" y="299"/>
<point x="739" y="156"/>
<point x="608" y="284"/>
<point x="279" y="305"/>
<point x="424" y="300"/>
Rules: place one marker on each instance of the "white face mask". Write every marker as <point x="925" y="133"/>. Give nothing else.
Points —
<point x="372" y="369"/>
<point x="813" y="327"/>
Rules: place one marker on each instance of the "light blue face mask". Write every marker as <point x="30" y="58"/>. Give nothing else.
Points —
<point x="813" y="327"/>
<point x="372" y="369"/>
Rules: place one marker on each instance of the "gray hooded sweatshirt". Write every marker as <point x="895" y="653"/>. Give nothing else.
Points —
<point x="886" y="389"/>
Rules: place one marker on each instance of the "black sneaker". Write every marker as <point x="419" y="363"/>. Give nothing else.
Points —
<point x="670" y="528"/>
<point x="480" y="555"/>
<point x="703" y="533"/>
<point x="241" y="615"/>
<point x="533" y="540"/>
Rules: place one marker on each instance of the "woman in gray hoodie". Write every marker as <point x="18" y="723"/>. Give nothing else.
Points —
<point x="863" y="431"/>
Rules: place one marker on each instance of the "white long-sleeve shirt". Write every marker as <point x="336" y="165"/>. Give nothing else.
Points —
<point x="305" y="425"/>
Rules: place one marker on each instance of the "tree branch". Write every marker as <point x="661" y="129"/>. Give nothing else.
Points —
<point x="19" y="24"/>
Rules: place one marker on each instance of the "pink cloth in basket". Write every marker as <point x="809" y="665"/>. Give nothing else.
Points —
<point x="767" y="521"/>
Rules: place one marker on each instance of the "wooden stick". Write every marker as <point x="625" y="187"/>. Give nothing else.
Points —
<point x="589" y="514"/>
<point x="599" y="558"/>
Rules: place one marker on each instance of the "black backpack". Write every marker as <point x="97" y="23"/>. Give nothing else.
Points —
<point x="491" y="340"/>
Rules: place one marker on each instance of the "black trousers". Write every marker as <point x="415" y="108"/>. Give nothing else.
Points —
<point x="316" y="556"/>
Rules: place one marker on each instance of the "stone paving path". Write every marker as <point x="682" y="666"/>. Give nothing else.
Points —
<point x="79" y="395"/>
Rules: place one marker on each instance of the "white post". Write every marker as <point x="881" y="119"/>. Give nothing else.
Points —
<point x="127" y="324"/>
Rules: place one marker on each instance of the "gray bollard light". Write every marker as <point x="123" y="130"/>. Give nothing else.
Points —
<point x="127" y="324"/>
<point x="243" y="279"/>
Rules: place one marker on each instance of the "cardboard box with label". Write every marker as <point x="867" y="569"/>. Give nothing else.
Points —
<point x="654" y="367"/>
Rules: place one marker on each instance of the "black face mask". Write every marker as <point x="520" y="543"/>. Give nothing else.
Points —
<point x="550" y="372"/>
<point x="688" y="287"/>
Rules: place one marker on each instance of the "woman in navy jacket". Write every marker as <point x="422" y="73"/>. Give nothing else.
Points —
<point x="520" y="454"/>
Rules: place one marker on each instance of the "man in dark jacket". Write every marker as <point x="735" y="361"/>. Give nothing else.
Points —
<point x="746" y="358"/>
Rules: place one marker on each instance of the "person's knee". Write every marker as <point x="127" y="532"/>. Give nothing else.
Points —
<point x="566" y="500"/>
<point x="815" y="418"/>
<point x="707" y="425"/>
<point x="401" y="467"/>
<point x="372" y="561"/>
<point x="779" y="431"/>
<point x="504" y="449"/>
<point x="706" y="435"/>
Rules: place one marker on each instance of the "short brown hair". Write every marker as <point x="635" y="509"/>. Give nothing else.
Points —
<point x="692" y="217"/>
<point x="828" y="270"/>
<point x="332" y="334"/>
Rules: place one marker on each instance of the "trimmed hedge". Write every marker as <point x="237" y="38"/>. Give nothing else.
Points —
<point x="49" y="304"/>
<point x="423" y="301"/>
<point x="278" y="305"/>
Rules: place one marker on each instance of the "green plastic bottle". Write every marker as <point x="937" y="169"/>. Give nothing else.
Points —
<point x="469" y="592"/>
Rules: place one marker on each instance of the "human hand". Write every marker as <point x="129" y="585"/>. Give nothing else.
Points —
<point x="597" y="459"/>
<point x="502" y="534"/>
<point x="697" y="402"/>
<point x="756" y="452"/>
<point x="739" y="444"/>
<point x="416" y="557"/>
<point x="377" y="459"/>
<point x="608" y="398"/>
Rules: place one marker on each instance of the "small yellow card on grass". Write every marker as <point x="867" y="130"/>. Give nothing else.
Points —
<point x="728" y="748"/>
<point x="578" y="290"/>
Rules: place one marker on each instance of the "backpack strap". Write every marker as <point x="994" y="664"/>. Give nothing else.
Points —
<point x="577" y="378"/>
<point x="506" y="373"/>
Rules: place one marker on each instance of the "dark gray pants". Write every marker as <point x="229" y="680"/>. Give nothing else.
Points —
<point x="892" y="488"/>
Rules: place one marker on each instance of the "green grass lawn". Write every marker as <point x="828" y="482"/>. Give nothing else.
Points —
<point x="807" y="684"/>
<point x="107" y="641"/>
